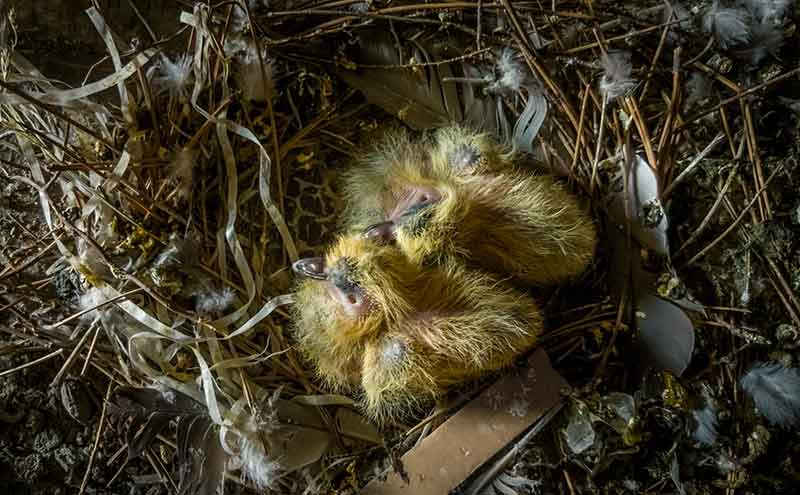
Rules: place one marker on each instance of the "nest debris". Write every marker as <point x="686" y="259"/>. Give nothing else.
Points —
<point x="166" y="219"/>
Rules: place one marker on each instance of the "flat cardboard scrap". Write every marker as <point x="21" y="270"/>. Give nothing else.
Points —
<point x="472" y="436"/>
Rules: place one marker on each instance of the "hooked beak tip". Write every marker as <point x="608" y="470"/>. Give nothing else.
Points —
<point x="313" y="268"/>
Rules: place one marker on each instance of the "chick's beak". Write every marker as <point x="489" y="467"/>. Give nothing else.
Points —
<point x="380" y="233"/>
<point x="311" y="268"/>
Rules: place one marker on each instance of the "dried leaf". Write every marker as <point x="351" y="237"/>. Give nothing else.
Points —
<point x="323" y="400"/>
<point x="355" y="425"/>
<point x="579" y="433"/>
<point x="301" y="447"/>
<point x="304" y="443"/>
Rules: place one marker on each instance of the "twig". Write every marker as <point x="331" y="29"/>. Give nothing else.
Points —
<point x="91" y="351"/>
<point x="736" y="222"/>
<point x="96" y="441"/>
<point x="599" y="145"/>
<point x="29" y="262"/>
<point x="32" y="363"/>
<point x="738" y="96"/>
<point x="71" y="357"/>
<point x="47" y="108"/>
<point x="711" y="212"/>
<point x="755" y="159"/>
<point x="690" y="168"/>
<point x="506" y="459"/>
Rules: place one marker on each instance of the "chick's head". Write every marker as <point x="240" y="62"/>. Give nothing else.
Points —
<point x="344" y="299"/>
<point x="459" y="194"/>
<point x="402" y="175"/>
<point x="458" y="151"/>
<point x="368" y="316"/>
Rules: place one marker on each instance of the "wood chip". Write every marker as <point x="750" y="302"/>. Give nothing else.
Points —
<point x="472" y="436"/>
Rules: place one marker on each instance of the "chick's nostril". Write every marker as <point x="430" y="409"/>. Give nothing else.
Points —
<point x="427" y="195"/>
<point x="311" y="268"/>
<point x="381" y="233"/>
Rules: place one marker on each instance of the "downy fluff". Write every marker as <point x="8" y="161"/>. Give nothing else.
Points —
<point x="616" y="80"/>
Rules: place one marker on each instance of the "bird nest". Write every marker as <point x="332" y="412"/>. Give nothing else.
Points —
<point x="172" y="192"/>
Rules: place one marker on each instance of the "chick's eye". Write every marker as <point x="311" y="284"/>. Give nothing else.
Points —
<point x="465" y="157"/>
<point x="354" y="301"/>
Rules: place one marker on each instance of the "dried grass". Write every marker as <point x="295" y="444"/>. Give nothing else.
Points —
<point x="182" y="200"/>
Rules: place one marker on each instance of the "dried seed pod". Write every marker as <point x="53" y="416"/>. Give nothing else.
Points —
<point x="76" y="400"/>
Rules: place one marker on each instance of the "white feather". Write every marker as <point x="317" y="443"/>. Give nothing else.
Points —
<point x="215" y="301"/>
<point x="256" y="466"/>
<point x="255" y="84"/>
<point x="173" y="77"/>
<point x="617" y="69"/>
<point x="509" y="75"/>
<point x="775" y="390"/>
<point x="91" y="299"/>
<point x="182" y="169"/>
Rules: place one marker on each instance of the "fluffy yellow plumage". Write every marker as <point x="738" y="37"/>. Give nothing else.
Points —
<point x="368" y="317"/>
<point x="458" y="193"/>
<point x="415" y="296"/>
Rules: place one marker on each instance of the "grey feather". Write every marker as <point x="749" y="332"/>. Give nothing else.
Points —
<point x="705" y="418"/>
<point x="767" y="9"/>
<point x="201" y="459"/>
<point x="477" y="106"/>
<point x="766" y="38"/>
<point x="616" y="80"/>
<point x="775" y="390"/>
<point x="730" y="26"/>
<point x="698" y="88"/>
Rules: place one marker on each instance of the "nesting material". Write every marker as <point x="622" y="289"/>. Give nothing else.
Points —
<point x="457" y="448"/>
<point x="154" y="203"/>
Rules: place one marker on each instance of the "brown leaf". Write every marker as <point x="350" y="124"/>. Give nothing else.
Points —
<point x="355" y="425"/>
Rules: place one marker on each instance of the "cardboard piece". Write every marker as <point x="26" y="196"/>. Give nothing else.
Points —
<point x="472" y="436"/>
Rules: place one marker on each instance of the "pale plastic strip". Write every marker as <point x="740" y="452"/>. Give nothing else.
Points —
<point x="265" y="163"/>
<point x="200" y="76"/>
<point x="105" y="33"/>
<point x="63" y="97"/>
<point x="29" y="72"/>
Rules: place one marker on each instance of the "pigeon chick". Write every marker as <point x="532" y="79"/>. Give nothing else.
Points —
<point x="368" y="317"/>
<point x="458" y="193"/>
